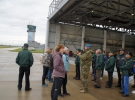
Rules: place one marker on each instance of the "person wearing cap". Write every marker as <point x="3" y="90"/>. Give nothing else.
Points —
<point x="124" y="70"/>
<point x="99" y="66"/>
<point x="120" y="59"/>
<point x="25" y="61"/>
<point x="85" y="60"/>
<point x="110" y="69"/>
<point x="77" y="65"/>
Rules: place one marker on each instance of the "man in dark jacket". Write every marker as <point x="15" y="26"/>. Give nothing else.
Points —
<point x="120" y="59"/>
<point x="110" y="69"/>
<point x="124" y="70"/>
<point x="25" y="61"/>
<point x="99" y="66"/>
<point x="77" y="65"/>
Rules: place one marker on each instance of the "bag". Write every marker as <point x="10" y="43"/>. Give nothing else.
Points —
<point x="130" y="72"/>
<point x="43" y="58"/>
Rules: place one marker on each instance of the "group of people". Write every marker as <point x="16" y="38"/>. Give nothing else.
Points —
<point x="100" y="62"/>
<point x="56" y="64"/>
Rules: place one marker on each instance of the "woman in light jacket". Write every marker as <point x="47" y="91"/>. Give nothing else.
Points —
<point x="58" y="72"/>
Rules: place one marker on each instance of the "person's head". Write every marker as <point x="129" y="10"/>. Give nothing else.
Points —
<point x="129" y="55"/>
<point x="87" y="46"/>
<point x="78" y="50"/>
<point x="99" y="50"/>
<point x="104" y="52"/>
<point x="47" y="50"/>
<point x="25" y="46"/>
<point x="59" y="48"/>
<point x="122" y="51"/>
<point x="111" y="53"/>
<point x="66" y="50"/>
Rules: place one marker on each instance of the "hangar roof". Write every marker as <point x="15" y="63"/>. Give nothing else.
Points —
<point x="118" y="15"/>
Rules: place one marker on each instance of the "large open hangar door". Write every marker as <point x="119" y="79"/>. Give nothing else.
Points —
<point x="106" y="23"/>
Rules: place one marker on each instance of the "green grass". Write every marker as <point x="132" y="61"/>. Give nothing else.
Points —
<point x="6" y="46"/>
<point x="33" y="51"/>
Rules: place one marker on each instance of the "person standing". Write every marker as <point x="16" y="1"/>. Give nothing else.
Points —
<point x="58" y="72"/>
<point x="50" y="80"/>
<point x="65" y="59"/>
<point x="46" y="65"/>
<point x="99" y="66"/>
<point x="86" y="59"/>
<point x="110" y="69"/>
<point x="25" y="61"/>
<point x="124" y="71"/>
<point x="77" y="65"/>
<point x="133" y="86"/>
<point x="120" y="59"/>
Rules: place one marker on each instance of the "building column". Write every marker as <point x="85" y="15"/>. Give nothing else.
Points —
<point x="105" y="38"/>
<point x="83" y="35"/>
<point x="123" y="41"/>
<point x="57" y="35"/>
<point x="47" y="33"/>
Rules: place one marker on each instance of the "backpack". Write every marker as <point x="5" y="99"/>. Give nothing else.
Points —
<point x="130" y="72"/>
<point x="43" y="58"/>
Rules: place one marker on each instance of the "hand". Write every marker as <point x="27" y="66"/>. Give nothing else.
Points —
<point x="134" y="66"/>
<point x="121" y="73"/>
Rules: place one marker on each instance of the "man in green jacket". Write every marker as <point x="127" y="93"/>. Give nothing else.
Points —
<point x="25" y="61"/>
<point x="99" y="66"/>
<point x="110" y="69"/>
<point x="128" y="65"/>
<point x="85" y="60"/>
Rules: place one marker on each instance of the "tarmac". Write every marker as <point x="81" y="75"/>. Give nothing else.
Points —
<point x="9" y="79"/>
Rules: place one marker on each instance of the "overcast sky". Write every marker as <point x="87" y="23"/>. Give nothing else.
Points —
<point x="15" y="15"/>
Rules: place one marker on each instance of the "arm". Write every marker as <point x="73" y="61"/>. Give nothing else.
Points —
<point x="65" y="63"/>
<point x="31" y="59"/>
<point x="56" y="62"/>
<point x="17" y="59"/>
<point x="101" y="60"/>
<point x="126" y="66"/>
<point x="111" y="63"/>
<point x="85" y="56"/>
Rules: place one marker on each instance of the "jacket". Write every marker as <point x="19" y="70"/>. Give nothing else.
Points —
<point x="24" y="58"/>
<point x="110" y="64"/>
<point x="120" y="59"/>
<point x="77" y="60"/>
<point x="99" y="62"/>
<point x="51" y="62"/>
<point x="66" y="61"/>
<point x="86" y="59"/>
<point x="47" y="57"/>
<point x="129" y="63"/>
<point x="58" y="65"/>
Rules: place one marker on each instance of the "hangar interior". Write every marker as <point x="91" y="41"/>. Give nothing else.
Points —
<point x="102" y="23"/>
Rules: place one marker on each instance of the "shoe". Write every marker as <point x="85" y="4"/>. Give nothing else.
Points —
<point x="45" y="85"/>
<point x="46" y="78"/>
<point x="82" y="91"/>
<point x="61" y="95"/>
<point x="81" y="88"/>
<point x="93" y="80"/>
<point x="133" y="86"/>
<point x="50" y="81"/>
<point x="66" y="93"/>
<point x="77" y="78"/>
<point x="121" y="92"/>
<point x="29" y="89"/>
<point x="97" y="86"/>
<point x="107" y="86"/>
<point x="125" y="95"/>
<point x="19" y="89"/>
<point x="74" y="77"/>
<point x="107" y="82"/>
<point x="117" y="86"/>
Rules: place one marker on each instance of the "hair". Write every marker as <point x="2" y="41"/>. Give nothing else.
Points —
<point x="47" y="50"/>
<point x="58" y="47"/>
<point x="65" y="48"/>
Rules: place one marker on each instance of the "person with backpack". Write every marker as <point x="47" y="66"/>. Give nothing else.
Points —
<point x="133" y="86"/>
<point x="110" y="68"/>
<point x="46" y="65"/>
<point x="25" y="61"/>
<point x="125" y="72"/>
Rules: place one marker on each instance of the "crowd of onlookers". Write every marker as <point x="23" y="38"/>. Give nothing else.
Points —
<point x="56" y="64"/>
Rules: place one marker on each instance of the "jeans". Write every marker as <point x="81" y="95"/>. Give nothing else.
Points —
<point x="56" y="87"/>
<point x="23" y="70"/>
<point x="125" y="84"/>
<point x="45" y="71"/>
<point x="50" y="74"/>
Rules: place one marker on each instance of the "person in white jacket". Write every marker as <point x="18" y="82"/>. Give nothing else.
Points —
<point x="65" y="59"/>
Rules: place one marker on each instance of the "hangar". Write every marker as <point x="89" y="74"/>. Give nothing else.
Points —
<point x="106" y="23"/>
